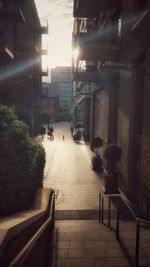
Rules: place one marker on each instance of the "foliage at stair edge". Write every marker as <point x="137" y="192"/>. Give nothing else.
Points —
<point x="22" y="164"/>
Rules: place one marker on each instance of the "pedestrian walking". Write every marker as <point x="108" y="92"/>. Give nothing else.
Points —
<point x="43" y="131"/>
<point x="50" y="132"/>
<point x="79" y="135"/>
<point x="71" y="130"/>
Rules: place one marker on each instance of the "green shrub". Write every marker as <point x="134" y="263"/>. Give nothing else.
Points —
<point x="21" y="163"/>
<point x="112" y="152"/>
<point x="38" y="164"/>
<point x="96" y="143"/>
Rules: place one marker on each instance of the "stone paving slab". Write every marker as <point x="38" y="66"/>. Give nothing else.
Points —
<point x="87" y="242"/>
<point x="76" y="244"/>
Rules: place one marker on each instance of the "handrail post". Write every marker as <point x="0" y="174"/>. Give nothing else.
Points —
<point x="102" y="209"/>
<point x="118" y="217"/>
<point x="137" y="246"/>
<point x="108" y="211"/>
<point x="99" y="214"/>
<point x="147" y="207"/>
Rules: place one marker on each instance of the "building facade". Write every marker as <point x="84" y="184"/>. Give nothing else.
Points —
<point x="111" y="54"/>
<point x="49" y="103"/>
<point x="21" y="59"/>
<point x="63" y="78"/>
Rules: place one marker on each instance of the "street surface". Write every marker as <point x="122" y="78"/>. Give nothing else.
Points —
<point x="68" y="171"/>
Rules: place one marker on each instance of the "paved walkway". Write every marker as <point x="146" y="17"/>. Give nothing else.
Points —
<point x="68" y="171"/>
<point x="79" y="240"/>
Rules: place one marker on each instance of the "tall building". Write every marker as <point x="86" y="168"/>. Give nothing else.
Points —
<point x="63" y="78"/>
<point x="21" y="59"/>
<point x="49" y="103"/>
<point x="111" y="68"/>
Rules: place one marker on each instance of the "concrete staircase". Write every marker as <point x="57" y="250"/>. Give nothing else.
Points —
<point x="86" y="243"/>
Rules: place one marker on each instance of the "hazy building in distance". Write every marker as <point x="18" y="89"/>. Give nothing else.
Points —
<point x="63" y="78"/>
<point x="49" y="103"/>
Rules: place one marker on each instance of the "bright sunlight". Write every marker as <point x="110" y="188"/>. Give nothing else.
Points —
<point x="58" y="41"/>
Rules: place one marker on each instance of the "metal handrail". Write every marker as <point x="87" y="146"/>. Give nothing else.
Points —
<point x="128" y="204"/>
<point x="139" y="221"/>
<point x="27" y="248"/>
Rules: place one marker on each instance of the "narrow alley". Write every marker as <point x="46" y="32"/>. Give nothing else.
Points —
<point x="79" y="240"/>
<point x="82" y="198"/>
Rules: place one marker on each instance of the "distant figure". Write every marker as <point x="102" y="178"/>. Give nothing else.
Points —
<point x="71" y="130"/>
<point x="63" y="138"/>
<point x="43" y="131"/>
<point x="79" y="134"/>
<point x="50" y="132"/>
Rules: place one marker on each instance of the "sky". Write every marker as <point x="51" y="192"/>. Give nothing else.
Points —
<point x="60" y="21"/>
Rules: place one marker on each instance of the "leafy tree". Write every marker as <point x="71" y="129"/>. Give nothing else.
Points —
<point x="21" y="163"/>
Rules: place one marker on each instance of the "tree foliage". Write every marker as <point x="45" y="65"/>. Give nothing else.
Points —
<point x="96" y="143"/>
<point x="112" y="152"/>
<point x="21" y="163"/>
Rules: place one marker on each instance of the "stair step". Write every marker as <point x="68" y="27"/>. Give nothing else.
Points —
<point x="86" y="243"/>
<point x="76" y="214"/>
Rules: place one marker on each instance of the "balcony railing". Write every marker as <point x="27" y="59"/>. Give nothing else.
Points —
<point x="90" y="9"/>
<point x="43" y="29"/>
<point x="30" y="48"/>
<point x="93" y="46"/>
<point x="42" y="72"/>
<point x="79" y="25"/>
<point x="88" y="77"/>
<point x="87" y="74"/>
<point x="44" y="51"/>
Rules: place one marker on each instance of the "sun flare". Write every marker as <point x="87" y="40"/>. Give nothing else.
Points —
<point x="58" y="43"/>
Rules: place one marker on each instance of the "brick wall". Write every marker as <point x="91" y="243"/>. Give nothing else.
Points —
<point x="134" y="43"/>
<point x="100" y="110"/>
<point x="146" y="128"/>
<point x="124" y="113"/>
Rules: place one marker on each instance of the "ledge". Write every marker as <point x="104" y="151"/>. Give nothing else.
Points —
<point x="14" y="224"/>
